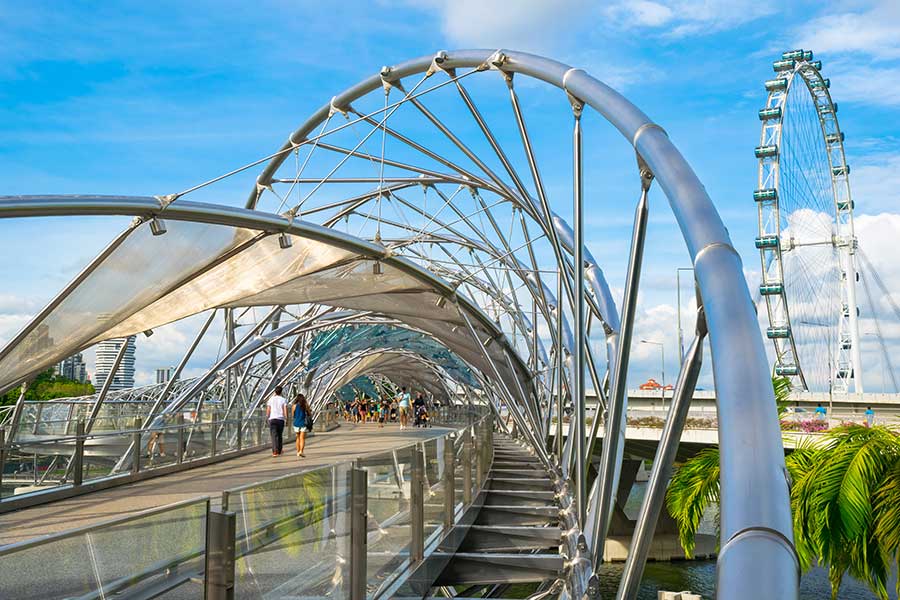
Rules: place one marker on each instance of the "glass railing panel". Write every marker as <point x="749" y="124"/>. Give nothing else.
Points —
<point x="434" y="485"/>
<point x="140" y="556"/>
<point x="293" y="535"/>
<point x="389" y="478"/>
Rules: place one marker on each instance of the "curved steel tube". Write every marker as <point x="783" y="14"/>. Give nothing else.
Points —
<point x="754" y="488"/>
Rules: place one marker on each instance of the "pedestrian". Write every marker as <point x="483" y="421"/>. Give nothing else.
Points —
<point x="364" y="408"/>
<point x="870" y="416"/>
<point x="419" y="408"/>
<point x="403" y="402"/>
<point x="277" y="413"/>
<point x="820" y="411"/>
<point x="302" y="421"/>
<point x="383" y="409"/>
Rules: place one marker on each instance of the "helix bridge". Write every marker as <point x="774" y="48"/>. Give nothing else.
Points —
<point x="425" y="228"/>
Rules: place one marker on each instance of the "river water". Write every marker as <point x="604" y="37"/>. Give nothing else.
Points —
<point x="699" y="576"/>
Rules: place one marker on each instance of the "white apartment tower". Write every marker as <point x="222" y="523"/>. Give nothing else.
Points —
<point x="106" y="358"/>
<point x="164" y="375"/>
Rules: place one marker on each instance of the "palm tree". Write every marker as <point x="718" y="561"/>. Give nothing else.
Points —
<point x="845" y="500"/>
<point x="695" y="484"/>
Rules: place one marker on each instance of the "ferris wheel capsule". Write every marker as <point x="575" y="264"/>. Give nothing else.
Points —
<point x="778" y="332"/>
<point x="771" y="289"/>
<point x="776" y="85"/>
<point x="787" y="370"/>
<point x="792" y="55"/>
<point x="765" y="195"/>
<point x="783" y="65"/>
<point x="769" y="113"/>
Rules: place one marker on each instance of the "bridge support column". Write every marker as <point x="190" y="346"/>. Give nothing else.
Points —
<point x="359" y="509"/>
<point x="221" y="528"/>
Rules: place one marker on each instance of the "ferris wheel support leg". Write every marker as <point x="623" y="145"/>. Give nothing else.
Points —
<point x="852" y="306"/>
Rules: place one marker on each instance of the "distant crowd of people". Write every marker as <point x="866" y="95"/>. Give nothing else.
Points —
<point x="386" y="409"/>
<point x="402" y="408"/>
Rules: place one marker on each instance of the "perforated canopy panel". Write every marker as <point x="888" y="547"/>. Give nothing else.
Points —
<point x="142" y="281"/>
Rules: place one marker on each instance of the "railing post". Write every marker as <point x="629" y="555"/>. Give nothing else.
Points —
<point x="135" y="452"/>
<point x="2" y="458"/>
<point x="179" y="450"/>
<point x="449" y="483"/>
<point x="78" y="458"/>
<point x="240" y="429"/>
<point x="417" y="506"/>
<point x="467" y="464"/>
<point x="213" y="435"/>
<point x="259" y="430"/>
<point x="221" y="528"/>
<point x="479" y="456"/>
<point x="358" y="533"/>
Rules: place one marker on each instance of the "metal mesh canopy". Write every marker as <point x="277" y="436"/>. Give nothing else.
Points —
<point x="336" y="343"/>
<point x="362" y="384"/>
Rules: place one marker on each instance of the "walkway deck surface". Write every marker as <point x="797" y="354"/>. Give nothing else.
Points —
<point x="345" y="443"/>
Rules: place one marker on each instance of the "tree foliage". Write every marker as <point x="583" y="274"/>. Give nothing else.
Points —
<point x="845" y="501"/>
<point x="47" y="386"/>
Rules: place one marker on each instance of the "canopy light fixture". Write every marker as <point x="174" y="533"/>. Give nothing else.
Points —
<point x="488" y="342"/>
<point x="157" y="226"/>
<point x="148" y="333"/>
<point x="376" y="268"/>
<point x="284" y="241"/>
<point x="441" y="302"/>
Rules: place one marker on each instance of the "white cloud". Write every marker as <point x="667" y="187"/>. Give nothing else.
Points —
<point x="872" y="31"/>
<point x="875" y="182"/>
<point x="679" y="18"/>
<point x="876" y="84"/>
<point x="861" y="48"/>
<point x="531" y="25"/>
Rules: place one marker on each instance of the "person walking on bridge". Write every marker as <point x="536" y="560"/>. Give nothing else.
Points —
<point x="403" y="401"/>
<point x="302" y="421"/>
<point x="277" y="412"/>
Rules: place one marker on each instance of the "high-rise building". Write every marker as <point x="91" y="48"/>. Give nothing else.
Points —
<point x="73" y="368"/>
<point x="164" y="375"/>
<point x="106" y="358"/>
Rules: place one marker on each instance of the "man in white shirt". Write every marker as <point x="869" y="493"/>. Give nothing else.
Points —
<point x="277" y="414"/>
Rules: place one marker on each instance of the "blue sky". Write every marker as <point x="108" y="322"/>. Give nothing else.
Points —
<point x="149" y="98"/>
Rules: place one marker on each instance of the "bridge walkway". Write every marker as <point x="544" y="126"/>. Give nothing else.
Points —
<point x="344" y="443"/>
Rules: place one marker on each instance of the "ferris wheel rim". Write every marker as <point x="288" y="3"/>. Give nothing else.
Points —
<point x="832" y="140"/>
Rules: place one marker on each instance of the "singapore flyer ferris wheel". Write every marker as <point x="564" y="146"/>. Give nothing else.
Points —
<point x="806" y="238"/>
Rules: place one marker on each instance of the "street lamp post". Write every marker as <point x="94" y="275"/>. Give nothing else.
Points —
<point x="680" y="331"/>
<point x="662" y="364"/>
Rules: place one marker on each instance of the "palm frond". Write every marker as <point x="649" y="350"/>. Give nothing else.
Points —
<point x="694" y="486"/>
